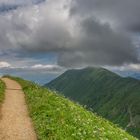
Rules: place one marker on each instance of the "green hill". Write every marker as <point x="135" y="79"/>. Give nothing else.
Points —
<point x="57" y="118"/>
<point x="104" y="92"/>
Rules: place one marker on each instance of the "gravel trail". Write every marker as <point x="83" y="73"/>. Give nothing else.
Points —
<point x="15" y="123"/>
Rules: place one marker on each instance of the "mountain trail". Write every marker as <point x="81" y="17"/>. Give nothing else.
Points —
<point x="15" y="123"/>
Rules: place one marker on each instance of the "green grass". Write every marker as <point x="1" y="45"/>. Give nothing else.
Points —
<point x="57" y="118"/>
<point x="103" y="91"/>
<point x="2" y="89"/>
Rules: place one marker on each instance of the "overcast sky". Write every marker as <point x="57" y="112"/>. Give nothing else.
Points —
<point x="62" y="34"/>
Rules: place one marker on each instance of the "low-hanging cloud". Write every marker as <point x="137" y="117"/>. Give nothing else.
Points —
<point x="4" y="64"/>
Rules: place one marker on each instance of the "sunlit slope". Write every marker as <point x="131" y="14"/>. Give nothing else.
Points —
<point x="57" y="118"/>
<point x="111" y="96"/>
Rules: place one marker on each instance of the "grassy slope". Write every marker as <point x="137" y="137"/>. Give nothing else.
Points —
<point x="2" y="88"/>
<point x="110" y="95"/>
<point x="57" y="118"/>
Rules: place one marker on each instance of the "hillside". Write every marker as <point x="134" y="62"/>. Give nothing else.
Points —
<point x="2" y="88"/>
<point x="57" y="118"/>
<point x="104" y="92"/>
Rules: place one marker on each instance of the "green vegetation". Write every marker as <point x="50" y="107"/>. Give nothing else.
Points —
<point x="2" y="89"/>
<point x="104" y="92"/>
<point x="57" y="118"/>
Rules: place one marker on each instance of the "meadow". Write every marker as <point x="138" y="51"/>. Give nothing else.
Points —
<point x="57" y="118"/>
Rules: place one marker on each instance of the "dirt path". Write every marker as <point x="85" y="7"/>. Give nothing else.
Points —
<point x="15" y="123"/>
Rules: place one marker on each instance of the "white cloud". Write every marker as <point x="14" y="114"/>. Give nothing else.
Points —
<point x="126" y="67"/>
<point x="46" y="67"/>
<point x="43" y="66"/>
<point x="4" y="64"/>
<point x="134" y="67"/>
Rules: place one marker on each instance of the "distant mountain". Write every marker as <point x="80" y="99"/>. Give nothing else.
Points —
<point x="132" y="74"/>
<point x="136" y="75"/>
<point x="113" y="97"/>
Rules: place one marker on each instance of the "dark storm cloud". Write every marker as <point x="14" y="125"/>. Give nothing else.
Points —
<point x="79" y="32"/>
<point x="124" y="13"/>
<point x="98" y="44"/>
<point x="95" y="44"/>
<point x="89" y="42"/>
<point x="134" y="28"/>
